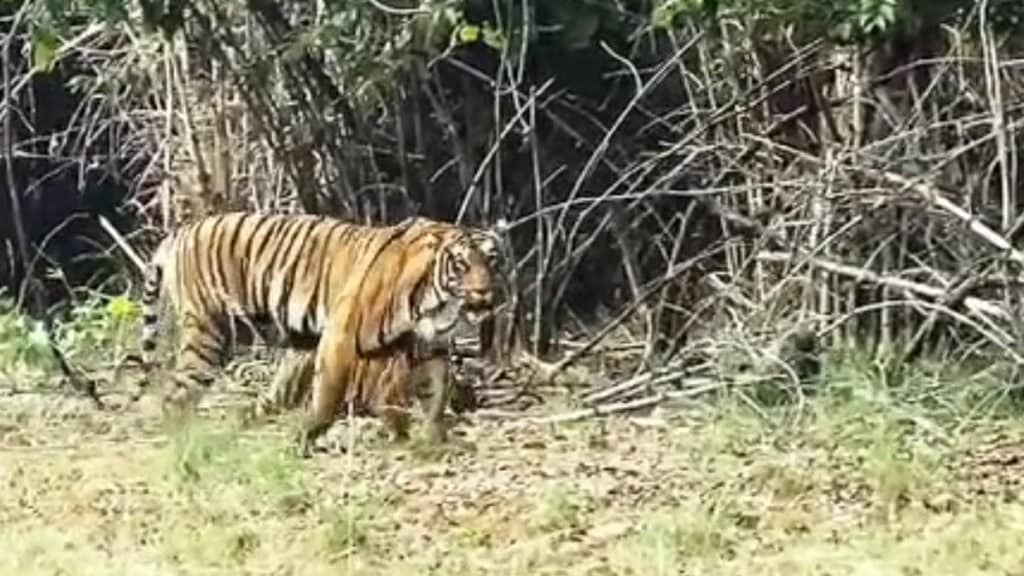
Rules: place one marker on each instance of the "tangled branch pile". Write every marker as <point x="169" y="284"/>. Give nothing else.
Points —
<point x="716" y="181"/>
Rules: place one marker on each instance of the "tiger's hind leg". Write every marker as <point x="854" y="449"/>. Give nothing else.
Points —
<point x="200" y="353"/>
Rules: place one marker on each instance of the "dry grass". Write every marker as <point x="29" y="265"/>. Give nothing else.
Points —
<point x="868" y="476"/>
<point x="845" y="486"/>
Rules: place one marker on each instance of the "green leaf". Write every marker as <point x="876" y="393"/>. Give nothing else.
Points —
<point x="45" y="45"/>
<point x="468" y="33"/>
<point x="121" y="308"/>
<point x="494" y="38"/>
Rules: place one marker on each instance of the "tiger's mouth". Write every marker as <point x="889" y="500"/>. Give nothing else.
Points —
<point x="476" y="312"/>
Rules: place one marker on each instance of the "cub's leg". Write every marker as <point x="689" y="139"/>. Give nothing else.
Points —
<point x="462" y="396"/>
<point x="388" y="379"/>
<point x="291" y="387"/>
<point x="434" y="372"/>
<point x="200" y="353"/>
<point x="396" y="418"/>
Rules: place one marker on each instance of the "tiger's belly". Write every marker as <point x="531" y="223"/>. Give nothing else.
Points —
<point x="247" y="330"/>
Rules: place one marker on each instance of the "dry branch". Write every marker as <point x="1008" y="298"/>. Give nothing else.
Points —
<point x="644" y="380"/>
<point x="975" y="305"/>
<point x="604" y="410"/>
<point x="937" y="197"/>
<point x="123" y="244"/>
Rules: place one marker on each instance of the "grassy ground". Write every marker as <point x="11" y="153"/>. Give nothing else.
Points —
<point x="854" y="481"/>
<point x="866" y="477"/>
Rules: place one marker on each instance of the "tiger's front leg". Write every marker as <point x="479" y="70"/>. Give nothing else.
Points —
<point x="331" y="384"/>
<point x="323" y="405"/>
<point x="330" y="372"/>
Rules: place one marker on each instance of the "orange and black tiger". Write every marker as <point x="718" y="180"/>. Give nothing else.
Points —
<point x="375" y="304"/>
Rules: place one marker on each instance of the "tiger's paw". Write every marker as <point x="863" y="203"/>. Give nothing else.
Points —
<point x="305" y="444"/>
<point x="463" y="399"/>
<point x="148" y="405"/>
<point x="303" y="451"/>
<point x="136" y="392"/>
<point x="396" y="423"/>
<point x="304" y="448"/>
<point x="399" y="435"/>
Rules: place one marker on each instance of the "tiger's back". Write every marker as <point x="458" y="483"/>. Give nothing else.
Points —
<point x="273" y="271"/>
<point x="231" y="275"/>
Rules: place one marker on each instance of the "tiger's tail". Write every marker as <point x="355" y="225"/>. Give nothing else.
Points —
<point x="150" y="318"/>
<point x="151" y="300"/>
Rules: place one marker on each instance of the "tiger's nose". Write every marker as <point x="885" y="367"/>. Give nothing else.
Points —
<point x="479" y="300"/>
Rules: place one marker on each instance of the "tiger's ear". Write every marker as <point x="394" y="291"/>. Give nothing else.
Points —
<point x="490" y="243"/>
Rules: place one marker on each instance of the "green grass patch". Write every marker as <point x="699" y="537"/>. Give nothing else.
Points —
<point x="561" y="508"/>
<point x="202" y="458"/>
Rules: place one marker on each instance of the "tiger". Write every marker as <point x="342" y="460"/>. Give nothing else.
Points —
<point x="373" y="306"/>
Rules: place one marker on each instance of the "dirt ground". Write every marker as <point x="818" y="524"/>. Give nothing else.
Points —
<point x="692" y="489"/>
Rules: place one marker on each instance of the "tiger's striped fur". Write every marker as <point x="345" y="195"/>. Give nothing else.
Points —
<point x="365" y="300"/>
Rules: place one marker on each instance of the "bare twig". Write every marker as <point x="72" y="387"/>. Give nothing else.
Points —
<point x="975" y="305"/>
<point x="123" y="244"/>
<point x="603" y="410"/>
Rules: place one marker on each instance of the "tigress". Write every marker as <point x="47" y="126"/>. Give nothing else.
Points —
<point x="374" y="303"/>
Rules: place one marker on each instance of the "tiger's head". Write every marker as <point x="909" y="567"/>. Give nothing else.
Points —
<point x="465" y="271"/>
<point x="447" y="275"/>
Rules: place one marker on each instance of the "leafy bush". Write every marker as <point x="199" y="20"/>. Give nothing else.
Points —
<point x="97" y="331"/>
<point x="23" y="342"/>
<point x="101" y="328"/>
